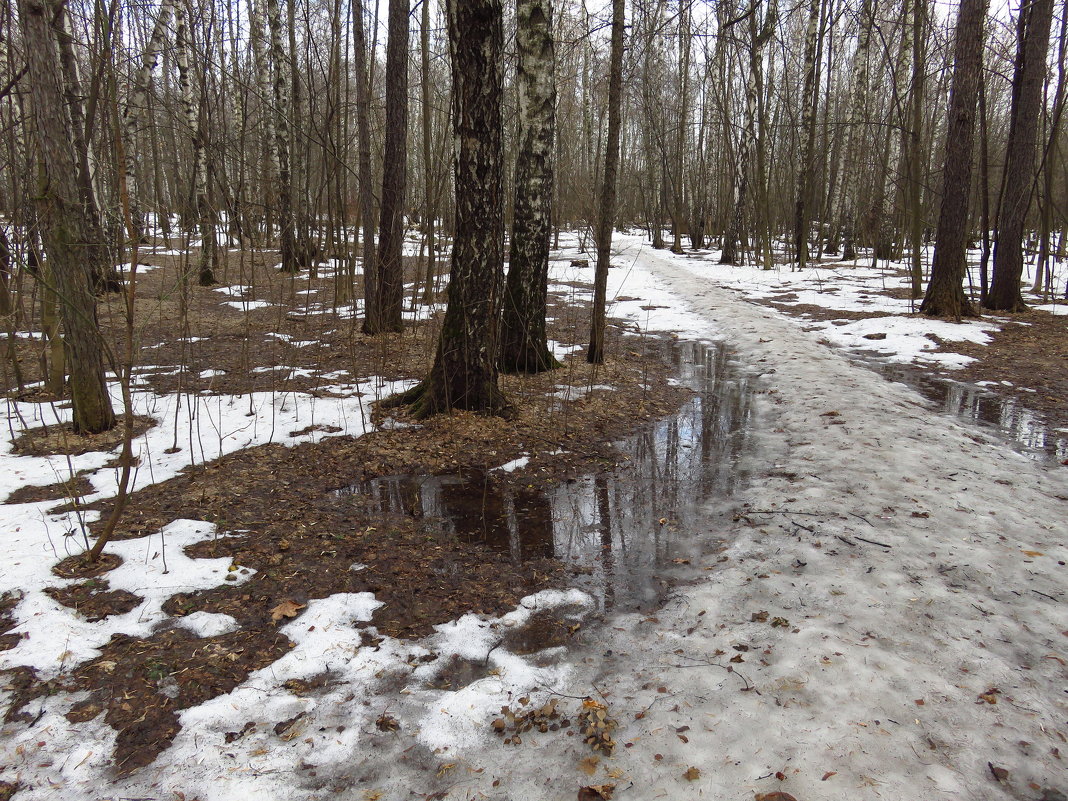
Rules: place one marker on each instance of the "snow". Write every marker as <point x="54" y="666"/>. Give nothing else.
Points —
<point x="885" y="574"/>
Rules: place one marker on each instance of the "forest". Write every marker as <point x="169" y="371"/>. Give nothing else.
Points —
<point x="463" y="399"/>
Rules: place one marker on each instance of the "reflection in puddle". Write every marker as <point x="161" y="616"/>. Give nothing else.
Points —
<point x="979" y="405"/>
<point x="622" y="525"/>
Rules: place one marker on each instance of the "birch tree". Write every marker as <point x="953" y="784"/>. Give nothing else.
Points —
<point x="524" y="347"/>
<point x="464" y="373"/>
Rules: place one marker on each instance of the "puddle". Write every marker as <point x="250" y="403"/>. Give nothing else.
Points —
<point x="1008" y="415"/>
<point x="621" y="527"/>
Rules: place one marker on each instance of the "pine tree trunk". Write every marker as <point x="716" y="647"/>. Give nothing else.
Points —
<point x="71" y="235"/>
<point x="1034" y="26"/>
<point x="523" y="339"/>
<point x="945" y="293"/>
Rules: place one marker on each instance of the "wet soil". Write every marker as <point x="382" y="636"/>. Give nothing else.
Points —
<point x="1017" y="384"/>
<point x="63" y="440"/>
<point x="69" y="490"/>
<point x="8" y="601"/>
<point x="94" y="600"/>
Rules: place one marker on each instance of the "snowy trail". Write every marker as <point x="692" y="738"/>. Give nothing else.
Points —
<point x="893" y="672"/>
<point x="869" y="672"/>
<point x="881" y="682"/>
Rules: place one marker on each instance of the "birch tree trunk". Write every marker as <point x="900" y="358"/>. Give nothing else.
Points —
<point x="136" y="106"/>
<point x="363" y="147"/>
<point x="524" y="347"/>
<point x="747" y="141"/>
<point x="464" y="373"/>
<point x="282" y="96"/>
<point x="209" y="246"/>
<point x="858" y="96"/>
<point x="808" y="132"/>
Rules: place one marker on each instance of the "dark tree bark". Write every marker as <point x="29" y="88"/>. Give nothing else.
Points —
<point x="805" y="177"/>
<point x="524" y="347"/>
<point x="1033" y="28"/>
<point x="606" y="212"/>
<point x="384" y="313"/>
<point x="363" y="145"/>
<point x="72" y="237"/>
<point x="945" y="293"/>
<point x="464" y="374"/>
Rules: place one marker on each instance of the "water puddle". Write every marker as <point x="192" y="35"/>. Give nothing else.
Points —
<point x="1008" y="415"/>
<point x="623" y="527"/>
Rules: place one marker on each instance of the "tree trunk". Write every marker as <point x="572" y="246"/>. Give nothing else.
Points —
<point x="71" y="235"/>
<point x="523" y="339"/>
<point x="1033" y="27"/>
<point x="282" y="97"/>
<point x="945" y="293"/>
<point x="809" y="97"/>
<point x="385" y="313"/>
<point x="464" y="374"/>
<point x="194" y="118"/>
<point x="747" y="141"/>
<point x="606" y="212"/>
<point x="363" y="147"/>
<point x="136" y="106"/>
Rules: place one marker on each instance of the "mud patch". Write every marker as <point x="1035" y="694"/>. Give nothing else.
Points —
<point x="73" y="489"/>
<point x="94" y="600"/>
<point x="142" y="683"/>
<point x="61" y="439"/>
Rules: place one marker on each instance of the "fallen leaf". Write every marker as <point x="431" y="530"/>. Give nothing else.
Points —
<point x="692" y="774"/>
<point x="288" y="608"/>
<point x="778" y="795"/>
<point x="828" y="775"/>
<point x="999" y="773"/>
<point x="589" y="765"/>
<point x="1034" y="553"/>
<point x="596" y="792"/>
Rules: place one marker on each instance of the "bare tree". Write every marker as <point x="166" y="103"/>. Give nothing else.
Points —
<point x="1033" y="29"/>
<point x="71" y="235"/>
<point x="945" y="293"/>
<point x="524" y="347"/>
<point x="384" y="308"/>
<point x="464" y="373"/>
<point x="606" y="210"/>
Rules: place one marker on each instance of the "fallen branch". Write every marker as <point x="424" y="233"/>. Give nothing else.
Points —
<point x="873" y="542"/>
